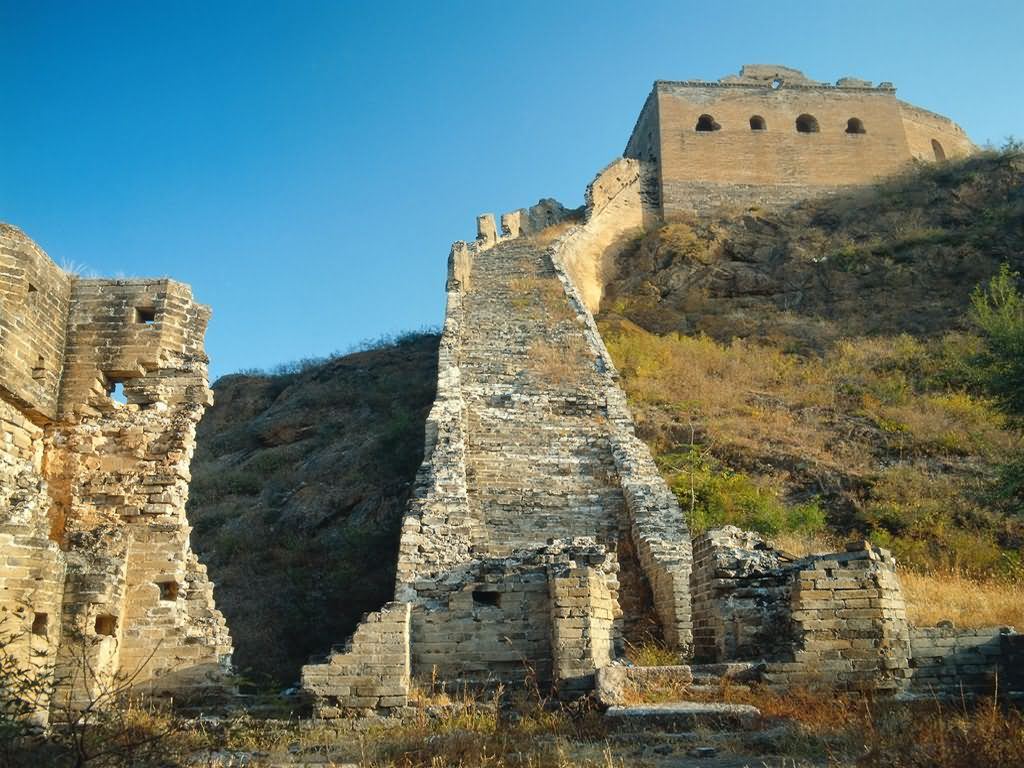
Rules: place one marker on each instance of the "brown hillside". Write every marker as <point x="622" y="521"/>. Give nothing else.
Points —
<point x="299" y="483"/>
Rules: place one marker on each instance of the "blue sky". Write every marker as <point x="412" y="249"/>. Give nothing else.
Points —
<point x="305" y="165"/>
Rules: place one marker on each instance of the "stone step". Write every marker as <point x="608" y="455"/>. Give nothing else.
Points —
<point x="683" y="716"/>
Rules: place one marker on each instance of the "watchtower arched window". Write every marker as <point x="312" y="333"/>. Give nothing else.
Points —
<point x="757" y="123"/>
<point x="707" y="123"/>
<point x="807" y="124"/>
<point x="940" y="153"/>
<point x="855" y="125"/>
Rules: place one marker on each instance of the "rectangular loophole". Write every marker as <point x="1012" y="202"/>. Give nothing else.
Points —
<point x="486" y="597"/>
<point x="168" y="590"/>
<point x="40" y="623"/>
<point x="106" y="625"/>
<point x="145" y="315"/>
<point x="40" y="369"/>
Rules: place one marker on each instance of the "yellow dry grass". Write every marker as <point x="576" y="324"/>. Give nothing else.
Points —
<point x="966" y="601"/>
<point x="551" y="233"/>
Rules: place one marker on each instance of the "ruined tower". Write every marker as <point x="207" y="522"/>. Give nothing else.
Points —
<point x="102" y="383"/>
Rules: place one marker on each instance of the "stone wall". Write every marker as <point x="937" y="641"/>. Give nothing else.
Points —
<point x="93" y="488"/>
<point x="583" y="627"/>
<point x="737" y="141"/>
<point x="35" y="294"/>
<point x="741" y="592"/>
<point x="932" y="137"/>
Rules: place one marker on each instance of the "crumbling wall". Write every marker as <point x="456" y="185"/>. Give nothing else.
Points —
<point x="741" y="594"/>
<point x="31" y="565"/>
<point x="498" y="621"/>
<point x="836" y="619"/>
<point x="370" y="673"/>
<point x="583" y="627"/>
<point x="849" y="622"/>
<point x="34" y="296"/>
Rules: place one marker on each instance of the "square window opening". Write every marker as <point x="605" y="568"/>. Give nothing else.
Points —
<point x="106" y="625"/>
<point x="168" y="590"/>
<point x="145" y="315"/>
<point x="40" y="623"/>
<point x="486" y="598"/>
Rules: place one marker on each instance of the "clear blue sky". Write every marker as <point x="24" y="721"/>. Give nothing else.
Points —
<point x="306" y="165"/>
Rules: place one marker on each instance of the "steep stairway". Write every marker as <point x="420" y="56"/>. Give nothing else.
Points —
<point x="539" y="465"/>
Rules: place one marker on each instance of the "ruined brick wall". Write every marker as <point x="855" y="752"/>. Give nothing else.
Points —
<point x="584" y="610"/>
<point x="108" y="480"/>
<point x="737" y="141"/>
<point x="836" y="619"/>
<point x="371" y="672"/>
<point x="530" y="441"/>
<point x="741" y="594"/>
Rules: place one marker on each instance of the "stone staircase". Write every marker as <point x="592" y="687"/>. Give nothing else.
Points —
<point x="538" y="460"/>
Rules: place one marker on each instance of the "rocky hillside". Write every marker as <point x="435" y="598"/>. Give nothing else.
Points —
<point x="299" y="483"/>
<point x="814" y="368"/>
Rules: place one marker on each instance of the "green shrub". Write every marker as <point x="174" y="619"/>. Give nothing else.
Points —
<point x="713" y="495"/>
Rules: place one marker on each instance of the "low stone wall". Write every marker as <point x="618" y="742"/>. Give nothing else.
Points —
<point x="848" y="621"/>
<point x="371" y="673"/>
<point x="946" y="660"/>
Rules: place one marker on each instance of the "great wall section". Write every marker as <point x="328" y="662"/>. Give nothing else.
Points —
<point x="540" y="537"/>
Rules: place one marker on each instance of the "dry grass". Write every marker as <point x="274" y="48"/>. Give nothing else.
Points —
<point x="551" y="233"/>
<point x="558" y="365"/>
<point x="847" y="729"/>
<point x="653" y="655"/>
<point x="967" y="602"/>
<point x="882" y="430"/>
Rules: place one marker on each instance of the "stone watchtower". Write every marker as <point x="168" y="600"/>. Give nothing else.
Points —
<point x="770" y="136"/>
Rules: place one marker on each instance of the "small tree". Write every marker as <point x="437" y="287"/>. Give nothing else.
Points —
<point x="998" y="311"/>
